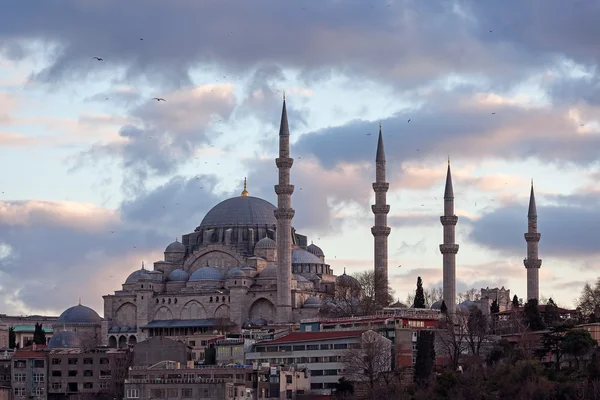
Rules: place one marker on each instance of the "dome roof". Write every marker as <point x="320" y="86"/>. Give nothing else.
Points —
<point x="269" y="272"/>
<point x="175" y="247"/>
<point x="137" y="275"/>
<point x="465" y="305"/>
<point x="265" y="243"/>
<point x="236" y="273"/>
<point x="178" y="275"/>
<point x="64" y="340"/>
<point x="240" y="211"/>
<point x="79" y="315"/>
<point x="301" y="256"/>
<point x="346" y="280"/>
<point x="312" y="302"/>
<point x="207" y="274"/>
<point x="300" y="278"/>
<point x="437" y="305"/>
<point x="316" y="250"/>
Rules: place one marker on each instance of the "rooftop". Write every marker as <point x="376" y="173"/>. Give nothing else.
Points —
<point x="29" y="329"/>
<point x="312" y="336"/>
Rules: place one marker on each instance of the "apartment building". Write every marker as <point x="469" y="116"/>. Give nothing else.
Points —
<point x="5" y="368"/>
<point x="29" y="377"/>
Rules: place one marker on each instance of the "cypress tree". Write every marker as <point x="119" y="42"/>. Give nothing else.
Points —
<point x="495" y="307"/>
<point x="444" y="308"/>
<point x="515" y="301"/>
<point x="425" y="357"/>
<point x="532" y="316"/>
<point x="419" y="295"/>
<point x="12" y="338"/>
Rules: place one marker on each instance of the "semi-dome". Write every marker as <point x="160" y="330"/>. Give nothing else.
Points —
<point x="312" y="302"/>
<point x="135" y="276"/>
<point x="207" y="274"/>
<point x="346" y="281"/>
<point x="301" y="256"/>
<point x="300" y="278"/>
<point x="316" y="250"/>
<point x="437" y="305"/>
<point x="79" y="315"/>
<point x="235" y="273"/>
<point x="240" y="211"/>
<point x="178" y="275"/>
<point x="265" y="243"/>
<point x="64" y="340"/>
<point x="175" y="247"/>
<point x="270" y="271"/>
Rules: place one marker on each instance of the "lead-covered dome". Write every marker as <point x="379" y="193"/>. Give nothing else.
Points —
<point x="301" y="256"/>
<point x="265" y="243"/>
<point x="316" y="250"/>
<point x="206" y="274"/>
<point x="175" y="247"/>
<point x="312" y="302"/>
<point x="178" y="275"/>
<point x="240" y="211"/>
<point x="64" y="340"/>
<point x="346" y="281"/>
<point x="79" y="315"/>
<point x="135" y="276"/>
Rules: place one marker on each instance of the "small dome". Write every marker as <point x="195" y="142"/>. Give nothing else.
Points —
<point x="178" y="275"/>
<point x="301" y="256"/>
<point x="64" y="340"/>
<point x="346" y="281"/>
<point x="235" y="273"/>
<point x="316" y="250"/>
<point x="265" y="243"/>
<point x="437" y="305"/>
<point x="269" y="272"/>
<point x="135" y="276"/>
<point x="175" y="247"/>
<point x="207" y="274"/>
<point x="312" y="302"/>
<point x="79" y="315"/>
<point x="465" y="306"/>
<point x="260" y="321"/>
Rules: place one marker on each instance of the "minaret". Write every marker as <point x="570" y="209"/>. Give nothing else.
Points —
<point x="381" y="231"/>
<point x="284" y="214"/>
<point x="532" y="262"/>
<point x="449" y="248"/>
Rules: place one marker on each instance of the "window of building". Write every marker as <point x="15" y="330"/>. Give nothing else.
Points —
<point x="340" y="346"/>
<point x="288" y="394"/>
<point x="88" y="361"/>
<point x="38" y="391"/>
<point x="312" y="347"/>
<point x="133" y="393"/>
<point x="88" y="372"/>
<point x="330" y="372"/>
<point x="73" y="372"/>
<point x="285" y="348"/>
<point x="38" y="377"/>
<point x="330" y="385"/>
<point x="192" y="343"/>
<point x="72" y="387"/>
<point x="299" y="348"/>
<point x="20" y="364"/>
<point x="73" y="361"/>
<point x="316" y="372"/>
<point x="324" y="347"/>
<point x="104" y="385"/>
<point x="88" y="385"/>
<point x="160" y="393"/>
<point x="19" y="392"/>
<point x="271" y="348"/>
<point x="39" y="363"/>
<point x="288" y="379"/>
<point x="105" y="375"/>
<point x="56" y="385"/>
<point x="57" y="373"/>
<point x="172" y="393"/>
<point x="20" y="377"/>
<point x="56" y="361"/>
<point x="104" y="361"/>
<point x="316" y="386"/>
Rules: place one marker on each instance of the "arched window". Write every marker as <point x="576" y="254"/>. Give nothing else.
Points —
<point x="175" y="301"/>
<point x="217" y="299"/>
<point x="223" y="299"/>
<point x="169" y="301"/>
<point x="210" y="300"/>
<point x="156" y="301"/>
<point x="142" y="285"/>
<point x="163" y="301"/>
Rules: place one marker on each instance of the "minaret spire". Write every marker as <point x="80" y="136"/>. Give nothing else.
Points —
<point x="532" y="262"/>
<point x="380" y="230"/>
<point x="449" y="248"/>
<point x="284" y="214"/>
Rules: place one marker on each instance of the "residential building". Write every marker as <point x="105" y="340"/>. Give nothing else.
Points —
<point x="229" y="350"/>
<point x="5" y="392"/>
<point x="29" y="373"/>
<point x="159" y="348"/>
<point x="5" y="367"/>
<point x="24" y="334"/>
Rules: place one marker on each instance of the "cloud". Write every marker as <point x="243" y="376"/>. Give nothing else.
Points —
<point x="9" y="139"/>
<point x="64" y="250"/>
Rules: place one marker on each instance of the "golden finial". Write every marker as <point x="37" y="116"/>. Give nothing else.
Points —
<point x="244" y="192"/>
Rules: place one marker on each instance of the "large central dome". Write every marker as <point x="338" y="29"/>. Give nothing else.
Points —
<point x="240" y="211"/>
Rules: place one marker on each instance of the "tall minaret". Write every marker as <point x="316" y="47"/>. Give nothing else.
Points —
<point x="381" y="231"/>
<point x="449" y="248"/>
<point x="532" y="262"/>
<point x="284" y="214"/>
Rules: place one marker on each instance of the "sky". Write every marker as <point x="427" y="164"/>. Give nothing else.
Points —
<point x="97" y="177"/>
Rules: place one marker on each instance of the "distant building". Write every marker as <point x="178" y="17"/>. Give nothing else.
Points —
<point x="157" y="349"/>
<point x="229" y="350"/>
<point x="29" y="372"/>
<point x="5" y="367"/>
<point x="24" y="334"/>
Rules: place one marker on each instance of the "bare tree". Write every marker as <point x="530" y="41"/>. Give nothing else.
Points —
<point x="367" y="361"/>
<point x="120" y="361"/>
<point x="431" y="296"/>
<point x="470" y="295"/>
<point x="589" y="299"/>
<point x="452" y="337"/>
<point x="478" y="329"/>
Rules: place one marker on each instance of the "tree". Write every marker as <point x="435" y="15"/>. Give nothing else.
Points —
<point x="470" y="295"/>
<point x="344" y="389"/>
<point x="478" y="329"/>
<point x="551" y="315"/>
<point x="39" y="335"/>
<point x="425" y="357"/>
<point x="551" y="344"/>
<point x="444" y="308"/>
<point x="532" y="316"/>
<point x="210" y="355"/>
<point x="12" y="338"/>
<point x="495" y="307"/>
<point x="515" y="301"/>
<point x="589" y="299"/>
<point x="577" y="343"/>
<point x="431" y="296"/>
<point x="419" y="295"/>
<point x="453" y="337"/>
<point x="120" y="364"/>
<point x="365" y="363"/>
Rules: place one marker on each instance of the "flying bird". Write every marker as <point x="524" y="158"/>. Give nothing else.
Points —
<point x="409" y="120"/>
<point x="399" y="266"/>
<point x="493" y="113"/>
<point x="158" y="99"/>
<point x="368" y="134"/>
<point x="97" y="58"/>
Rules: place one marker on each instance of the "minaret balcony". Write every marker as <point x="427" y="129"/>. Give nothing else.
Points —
<point x="448" y="220"/>
<point x="450" y="248"/>
<point x="284" y="162"/>
<point x="380" y="209"/>
<point x="532" y="237"/>
<point x="381" y="230"/>
<point x="284" y="189"/>
<point x="379" y="187"/>
<point x="284" y="213"/>
<point x="532" y="263"/>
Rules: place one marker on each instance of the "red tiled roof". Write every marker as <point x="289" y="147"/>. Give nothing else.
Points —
<point x="308" y="336"/>
<point x="37" y="346"/>
<point x="30" y="354"/>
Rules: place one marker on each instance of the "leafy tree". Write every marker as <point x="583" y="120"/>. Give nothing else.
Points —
<point x="577" y="343"/>
<point x="444" y="308"/>
<point x="12" y="338"/>
<point x="495" y="307"/>
<point x="210" y="355"/>
<point x="551" y="344"/>
<point x="344" y="388"/>
<point x="39" y="335"/>
<point x="419" y="295"/>
<point x="551" y="316"/>
<point x="425" y="357"/>
<point x="515" y="301"/>
<point x="532" y="316"/>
